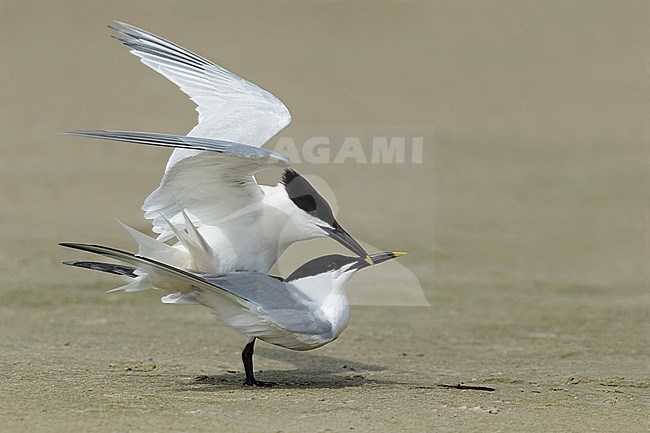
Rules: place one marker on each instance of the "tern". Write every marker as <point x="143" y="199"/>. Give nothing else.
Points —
<point x="236" y="224"/>
<point x="210" y="180"/>
<point x="304" y="311"/>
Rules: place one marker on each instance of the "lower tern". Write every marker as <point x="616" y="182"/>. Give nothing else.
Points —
<point x="304" y="311"/>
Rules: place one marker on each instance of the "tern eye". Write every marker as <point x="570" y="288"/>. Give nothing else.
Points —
<point x="305" y="202"/>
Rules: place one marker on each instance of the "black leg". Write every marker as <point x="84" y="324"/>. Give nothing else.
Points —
<point x="247" y="359"/>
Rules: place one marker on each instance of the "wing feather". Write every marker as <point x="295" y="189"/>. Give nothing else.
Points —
<point x="213" y="186"/>
<point x="230" y="107"/>
<point x="268" y="304"/>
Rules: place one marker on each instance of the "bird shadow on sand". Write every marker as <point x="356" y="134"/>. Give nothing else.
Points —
<point x="311" y="371"/>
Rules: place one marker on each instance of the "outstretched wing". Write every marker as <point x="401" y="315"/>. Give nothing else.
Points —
<point x="273" y="310"/>
<point x="213" y="186"/>
<point x="230" y="108"/>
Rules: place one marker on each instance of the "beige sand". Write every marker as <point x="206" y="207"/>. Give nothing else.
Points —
<point x="527" y="223"/>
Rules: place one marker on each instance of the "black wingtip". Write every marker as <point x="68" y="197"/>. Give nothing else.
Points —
<point x="109" y="268"/>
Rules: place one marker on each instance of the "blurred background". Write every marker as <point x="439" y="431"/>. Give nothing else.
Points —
<point x="528" y="214"/>
<point x="534" y="166"/>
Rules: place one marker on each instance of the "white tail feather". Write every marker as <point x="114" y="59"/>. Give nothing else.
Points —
<point x="198" y="238"/>
<point x="150" y="247"/>
<point x="181" y="298"/>
<point x="139" y="284"/>
<point x="198" y="248"/>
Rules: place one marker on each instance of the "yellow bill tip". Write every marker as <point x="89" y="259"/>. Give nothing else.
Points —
<point x="399" y="253"/>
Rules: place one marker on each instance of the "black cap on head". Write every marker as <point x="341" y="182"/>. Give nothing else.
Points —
<point x="332" y="262"/>
<point x="321" y="265"/>
<point x="303" y="195"/>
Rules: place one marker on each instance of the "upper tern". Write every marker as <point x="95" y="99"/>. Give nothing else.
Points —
<point x="238" y="224"/>
<point x="212" y="201"/>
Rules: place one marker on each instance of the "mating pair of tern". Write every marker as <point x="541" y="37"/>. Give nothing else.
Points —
<point x="229" y="229"/>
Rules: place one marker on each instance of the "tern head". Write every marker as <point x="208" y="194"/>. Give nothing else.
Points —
<point x="315" y="214"/>
<point x="339" y="267"/>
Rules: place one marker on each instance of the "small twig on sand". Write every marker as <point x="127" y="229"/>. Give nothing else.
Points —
<point x="461" y="386"/>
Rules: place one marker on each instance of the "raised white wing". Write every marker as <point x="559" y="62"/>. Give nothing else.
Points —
<point x="230" y="108"/>
<point x="213" y="186"/>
